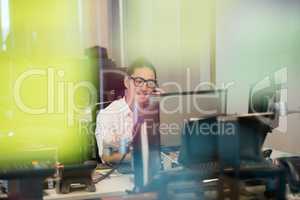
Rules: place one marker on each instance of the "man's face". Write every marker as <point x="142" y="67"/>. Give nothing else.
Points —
<point x="136" y="90"/>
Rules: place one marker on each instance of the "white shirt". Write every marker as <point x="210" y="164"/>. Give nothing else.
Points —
<point x="113" y="123"/>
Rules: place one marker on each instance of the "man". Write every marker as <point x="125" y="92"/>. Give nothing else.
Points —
<point x="115" y="123"/>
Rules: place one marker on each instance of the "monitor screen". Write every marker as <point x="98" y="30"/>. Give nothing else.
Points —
<point x="270" y="95"/>
<point x="178" y="108"/>
<point x="199" y="142"/>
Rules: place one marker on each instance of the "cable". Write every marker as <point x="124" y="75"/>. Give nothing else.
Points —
<point x="115" y="167"/>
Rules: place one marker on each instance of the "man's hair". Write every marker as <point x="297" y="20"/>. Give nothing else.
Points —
<point x="141" y="63"/>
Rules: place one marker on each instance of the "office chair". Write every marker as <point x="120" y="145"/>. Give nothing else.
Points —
<point x="111" y="86"/>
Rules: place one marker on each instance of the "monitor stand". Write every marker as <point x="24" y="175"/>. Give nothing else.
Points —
<point x="140" y="156"/>
<point x="145" y="153"/>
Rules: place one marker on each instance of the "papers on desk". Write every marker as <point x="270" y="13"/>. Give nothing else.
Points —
<point x="278" y="154"/>
<point x="98" y="174"/>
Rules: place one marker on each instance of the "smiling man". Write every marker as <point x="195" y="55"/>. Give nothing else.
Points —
<point x="115" y="123"/>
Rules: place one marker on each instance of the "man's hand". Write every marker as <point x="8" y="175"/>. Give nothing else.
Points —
<point x="158" y="91"/>
<point x="111" y="151"/>
<point x="114" y="143"/>
<point x="116" y="139"/>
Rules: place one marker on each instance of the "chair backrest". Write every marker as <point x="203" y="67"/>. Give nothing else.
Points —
<point x="111" y="85"/>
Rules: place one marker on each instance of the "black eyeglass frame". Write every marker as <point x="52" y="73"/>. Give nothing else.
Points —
<point x="143" y="81"/>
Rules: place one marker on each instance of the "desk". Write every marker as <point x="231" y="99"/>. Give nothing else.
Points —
<point x="278" y="154"/>
<point x="115" y="185"/>
<point x="118" y="184"/>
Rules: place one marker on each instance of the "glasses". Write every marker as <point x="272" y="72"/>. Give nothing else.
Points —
<point x="139" y="82"/>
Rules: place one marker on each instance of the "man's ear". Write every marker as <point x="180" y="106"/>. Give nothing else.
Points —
<point x="126" y="82"/>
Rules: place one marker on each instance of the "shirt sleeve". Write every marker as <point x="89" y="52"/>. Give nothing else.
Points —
<point x="111" y="126"/>
<point x="106" y="128"/>
<point x="99" y="136"/>
<point x="102" y="131"/>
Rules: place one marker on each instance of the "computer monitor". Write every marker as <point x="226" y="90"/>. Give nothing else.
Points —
<point x="178" y="108"/>
<point x="146" y="145"/>
<point x="231" y="138"/>
<point x="251" y="129"/>
<point x="263" y="98"/>
<point x="199" y="142"/>
<point x="194" y="123"/>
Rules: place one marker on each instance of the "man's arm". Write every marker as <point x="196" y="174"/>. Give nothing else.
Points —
<point x="115" y="157"/>
<point x="107" y="139"/>
<point x="111" y="152"/>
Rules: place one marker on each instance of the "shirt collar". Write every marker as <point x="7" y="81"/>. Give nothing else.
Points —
<point x="126" y="107"/>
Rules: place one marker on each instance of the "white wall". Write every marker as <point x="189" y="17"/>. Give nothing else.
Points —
<point x="175" y="36"/>
<point x="101" y="26"/>
<point x="95" y="16"/>
<point x="254" y="39"/>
